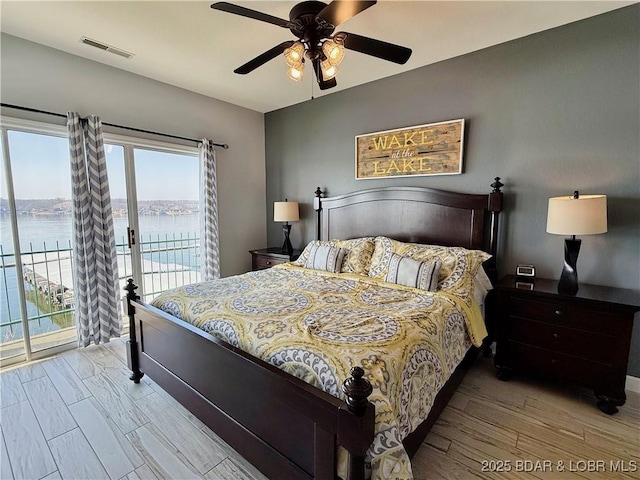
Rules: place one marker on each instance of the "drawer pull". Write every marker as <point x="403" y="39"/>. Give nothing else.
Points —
<point x="554" y="361"/>
<point x="268" y="262"/>
<point x="558" y="312"/>
<point x="556" y="335"/>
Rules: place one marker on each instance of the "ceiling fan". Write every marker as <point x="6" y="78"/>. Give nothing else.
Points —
<point x="313" y="23"/>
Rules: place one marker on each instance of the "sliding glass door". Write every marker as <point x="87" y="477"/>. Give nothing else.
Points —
<point x="154" y="196"/>
<point x="36" y="244"/>
<point x="167" y="190"/>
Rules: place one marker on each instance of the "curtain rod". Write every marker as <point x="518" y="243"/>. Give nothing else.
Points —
<point x="34" y="110"/>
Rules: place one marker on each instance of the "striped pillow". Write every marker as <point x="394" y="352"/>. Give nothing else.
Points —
<point x="356" y="259"/>
<point x="325" y="257"/>
<point x="458" y="270"/>
<point x="412" y="273"/>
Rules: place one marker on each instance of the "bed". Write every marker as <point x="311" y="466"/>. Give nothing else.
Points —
<point x="287" y="427"/>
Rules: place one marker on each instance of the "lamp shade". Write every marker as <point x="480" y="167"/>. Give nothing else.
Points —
<point x="285" y="212"/>
<point x="584" y="215"/>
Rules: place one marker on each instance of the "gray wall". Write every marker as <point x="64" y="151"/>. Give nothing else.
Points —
<point x="40" y="77"/>
<point x="550" y="113"/>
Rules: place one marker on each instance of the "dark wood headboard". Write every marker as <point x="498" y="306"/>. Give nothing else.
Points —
<point x="414" y="214"/>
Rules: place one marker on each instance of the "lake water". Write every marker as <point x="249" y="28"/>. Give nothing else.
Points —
<point x="53" y="232"/>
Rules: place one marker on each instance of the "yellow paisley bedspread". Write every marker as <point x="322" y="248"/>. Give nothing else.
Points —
<point x="318" y="325"/>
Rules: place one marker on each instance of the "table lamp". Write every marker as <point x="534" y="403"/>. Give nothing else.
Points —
<point x="286" y="212"/>
<point x="575" y="215"/>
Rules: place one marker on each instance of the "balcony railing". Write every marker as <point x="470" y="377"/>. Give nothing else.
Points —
<point x="167" y="263"/>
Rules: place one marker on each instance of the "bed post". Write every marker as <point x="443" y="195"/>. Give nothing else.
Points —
<point x="317" y="206"/>
<point x="494" y="207"/>
<point x="132" y="344"/>
<point x="356" y="422"/>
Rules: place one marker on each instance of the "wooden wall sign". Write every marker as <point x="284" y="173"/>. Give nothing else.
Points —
<point x="432" y="149"/>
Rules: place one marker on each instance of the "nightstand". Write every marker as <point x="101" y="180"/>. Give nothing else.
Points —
<point x="268" y="257"/>
<point x="582" y="338"/>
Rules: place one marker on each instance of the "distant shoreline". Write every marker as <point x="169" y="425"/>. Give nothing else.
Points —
<point x="115" y="214"/>
<point x="55" y="207"/>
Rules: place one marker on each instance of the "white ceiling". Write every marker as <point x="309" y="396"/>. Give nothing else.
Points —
<point x="189" y="45"/>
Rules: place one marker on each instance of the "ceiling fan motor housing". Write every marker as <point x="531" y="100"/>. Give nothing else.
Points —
<point x="309" y="28"/>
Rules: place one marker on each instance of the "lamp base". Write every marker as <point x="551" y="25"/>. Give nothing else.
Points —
<point x="286" y="246"/>
<point x="568" y="284"/>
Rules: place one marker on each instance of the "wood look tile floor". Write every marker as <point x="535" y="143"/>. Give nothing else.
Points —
<point x="78" y="416"/>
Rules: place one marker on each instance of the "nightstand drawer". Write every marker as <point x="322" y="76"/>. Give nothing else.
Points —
<point x="260" y="262"/>
<point x="559" y="313"/>
<point x="571" y="341"/>
<point x="558" y="365"/>
<point x="268" y="257"/>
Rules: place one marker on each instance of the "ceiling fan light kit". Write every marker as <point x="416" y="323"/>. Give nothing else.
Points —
<point x="313" y="23"/>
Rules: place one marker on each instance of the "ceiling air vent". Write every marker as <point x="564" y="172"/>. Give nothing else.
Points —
<point x="105" y="47"/>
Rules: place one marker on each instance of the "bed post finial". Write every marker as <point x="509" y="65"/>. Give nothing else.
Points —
<point x="317" y="206"/>
<point x="132" y="344"/>
<point x="357" y="389"/>
<point x="131" y="293"/>
<point x="497" y="185"/>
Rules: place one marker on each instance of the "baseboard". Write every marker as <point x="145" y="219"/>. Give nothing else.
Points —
<point x="632" y="384"/>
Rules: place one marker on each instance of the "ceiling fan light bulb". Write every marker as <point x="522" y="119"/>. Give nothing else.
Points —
<point x="293" y="54"/>
<point x="333" y="51"/>
<point x="295" y="72"/>
<point x="328" y="70"/>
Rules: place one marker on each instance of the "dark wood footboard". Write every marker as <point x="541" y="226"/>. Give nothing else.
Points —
<point x="282" y="425"/>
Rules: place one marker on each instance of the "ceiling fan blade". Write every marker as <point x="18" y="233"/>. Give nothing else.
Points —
<point x="323" y="84"/>
<point x="339" y="11"/>
<point x="247" y="12"/>
<point x="260" y="60"/>
<point x="376" y="48"/>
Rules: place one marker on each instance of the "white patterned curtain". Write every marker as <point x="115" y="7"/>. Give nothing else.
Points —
<point x="95" y="264"/>
<point x="209" y="243"/>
